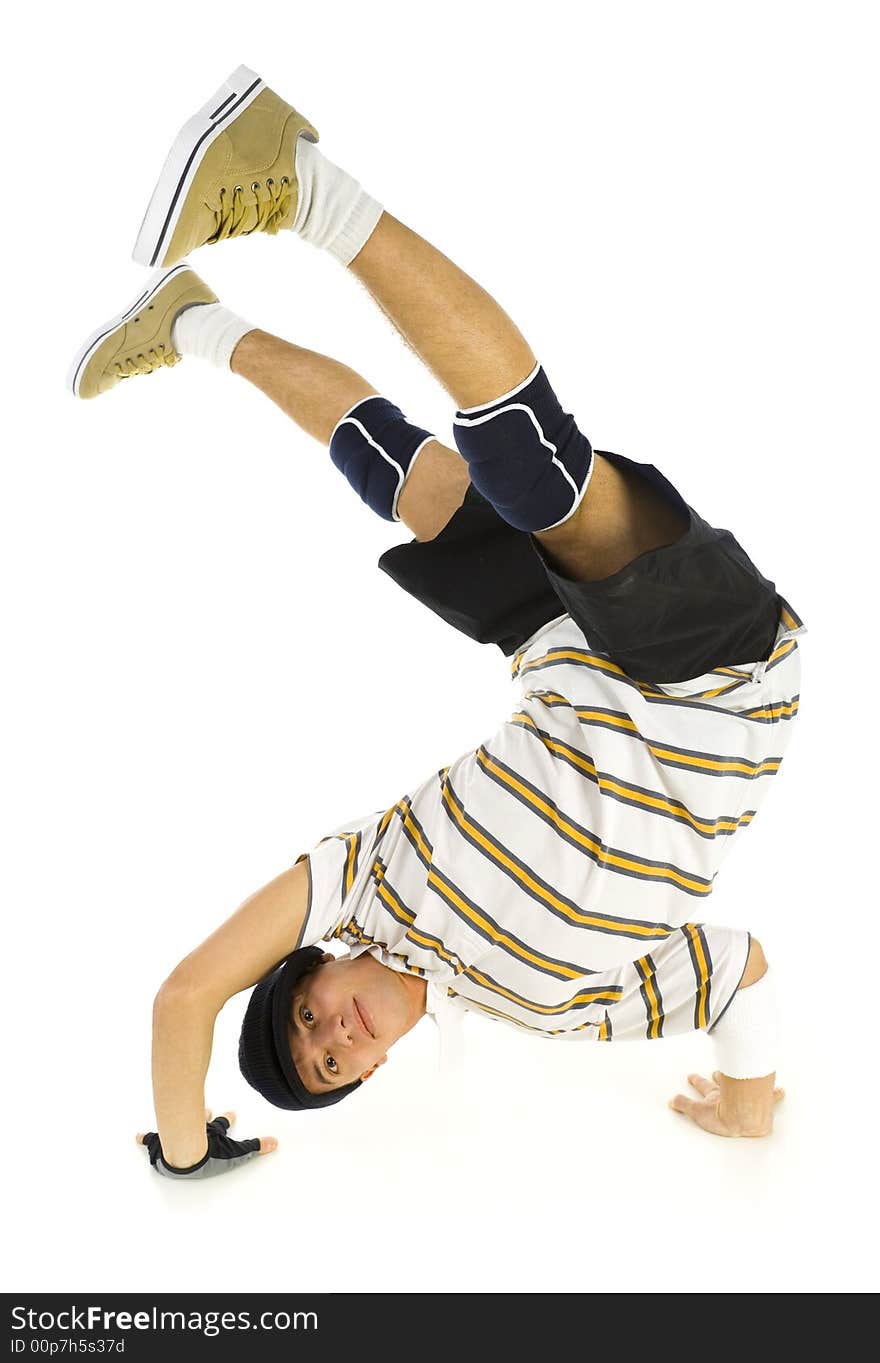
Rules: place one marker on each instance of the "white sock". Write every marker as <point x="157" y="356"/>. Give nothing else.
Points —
<point x="334" y="213"/>
<point x="210" y="331"/>
<point x="747" y="1034"/>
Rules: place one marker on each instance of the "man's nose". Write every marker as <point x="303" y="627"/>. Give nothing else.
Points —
<point x="338" y="1034"/>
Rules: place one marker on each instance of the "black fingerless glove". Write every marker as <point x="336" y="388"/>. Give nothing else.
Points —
<point x="223" y="1153"/>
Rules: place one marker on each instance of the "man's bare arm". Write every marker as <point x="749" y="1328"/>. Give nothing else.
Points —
<point x="265" y="930"/>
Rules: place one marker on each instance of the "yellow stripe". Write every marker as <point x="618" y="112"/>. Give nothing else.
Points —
<point x="582" y="838"/>
<point x="648" y="981"/>
<point x="701" y="695"/>
<point x="601" y="664"/>
<point x="783" y="709"/>
<point x="784" y="648"/>
<point x="578" y="655"/>
<point x="556" y="745"/>
<point x="770" y="764"/>
<point x="496" y="1012"/>
<point x="393" y="903"/>
<point x="429" y="943"/>
<point x="494" y="934"/>
<point x="350" y="861"/>
<point x="650" y="693"/>
<point x="654" y="802"/>
<point x="611" y="786"/>
<point x="356" y="931"/>
<point x="626" y="725"/>
<point x="694" y="935"/>
<point x="384" y="822"/>
<point x="390" y="899"/>
<point x="547" y="896"/>
<point x="433" y="944"/>
<point x="417" y="837"/>
<point x="586" y="996"/>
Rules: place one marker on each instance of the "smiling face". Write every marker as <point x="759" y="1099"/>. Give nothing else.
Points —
<point x="345" y="1014"/>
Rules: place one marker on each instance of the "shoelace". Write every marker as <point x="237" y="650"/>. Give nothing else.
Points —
<point x="146" y="363"/>
<point x="235" y="218"/>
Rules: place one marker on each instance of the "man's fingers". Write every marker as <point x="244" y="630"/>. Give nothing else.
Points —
<point x="681" y="1103"/>
<point x="267" y="1145"/>
<point x="703" y="1086"/>
<point x="140" y="1138"/>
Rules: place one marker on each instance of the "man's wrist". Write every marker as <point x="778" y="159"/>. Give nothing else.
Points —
<point x="746" y="1105"/>
<point x="182" y="1157"/>
<point x="182" y="1169"/>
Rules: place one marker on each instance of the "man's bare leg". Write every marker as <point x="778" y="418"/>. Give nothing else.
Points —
<point x="620" y="517"/>
<point x="457" y="329"/>
<point x="477" y="353"/>
<point x="315" y="391"/>
<point x="617" y="520"/>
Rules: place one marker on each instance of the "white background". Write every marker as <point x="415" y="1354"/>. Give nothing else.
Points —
<point x="204" y="671"/>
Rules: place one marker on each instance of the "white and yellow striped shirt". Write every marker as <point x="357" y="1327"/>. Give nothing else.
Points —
<point x="556" y="877"/>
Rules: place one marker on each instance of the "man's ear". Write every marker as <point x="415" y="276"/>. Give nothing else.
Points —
<point x="327" y="957"/>
<point x="373" y="1068"/>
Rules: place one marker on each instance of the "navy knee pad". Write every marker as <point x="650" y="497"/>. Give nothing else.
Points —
<point x="374" y="446"/>
<point x="525" y="455"/>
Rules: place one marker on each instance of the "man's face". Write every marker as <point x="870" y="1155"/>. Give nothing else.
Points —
<point x="344" y="1015"/>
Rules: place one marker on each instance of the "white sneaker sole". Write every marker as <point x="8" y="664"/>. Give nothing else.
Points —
<point x="97" y="338"/>
<point x="184" y="159"/>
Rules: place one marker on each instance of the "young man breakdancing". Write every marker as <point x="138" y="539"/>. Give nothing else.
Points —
<point x="554" y="878"/>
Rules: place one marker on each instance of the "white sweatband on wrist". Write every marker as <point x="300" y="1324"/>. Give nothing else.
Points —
<point x="747" y="1034"/>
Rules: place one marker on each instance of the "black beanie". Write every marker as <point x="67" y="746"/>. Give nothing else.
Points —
<point x="263" y="1048"/>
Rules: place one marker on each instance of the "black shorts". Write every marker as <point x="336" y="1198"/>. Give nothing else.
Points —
<point x="671" y="614"/>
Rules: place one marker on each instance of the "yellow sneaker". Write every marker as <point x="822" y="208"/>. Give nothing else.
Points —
<point x="138" y="341"/>
<point x="230" y="171"/>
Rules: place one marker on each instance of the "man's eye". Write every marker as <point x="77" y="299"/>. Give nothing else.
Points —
<point x="307" y="1016"/>
<point x="332" y="1065"/>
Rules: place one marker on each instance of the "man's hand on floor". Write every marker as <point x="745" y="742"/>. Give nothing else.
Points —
<point x="222" y="1154"/>
<point x="730" y="1107"/>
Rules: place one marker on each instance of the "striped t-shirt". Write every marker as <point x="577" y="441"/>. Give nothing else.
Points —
<point x="557" y="877"/>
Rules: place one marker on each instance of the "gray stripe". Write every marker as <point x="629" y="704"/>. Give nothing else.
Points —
<point x="677" y="811"/>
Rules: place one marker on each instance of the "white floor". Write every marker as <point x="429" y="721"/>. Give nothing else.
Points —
<point x="205" y="672"/>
